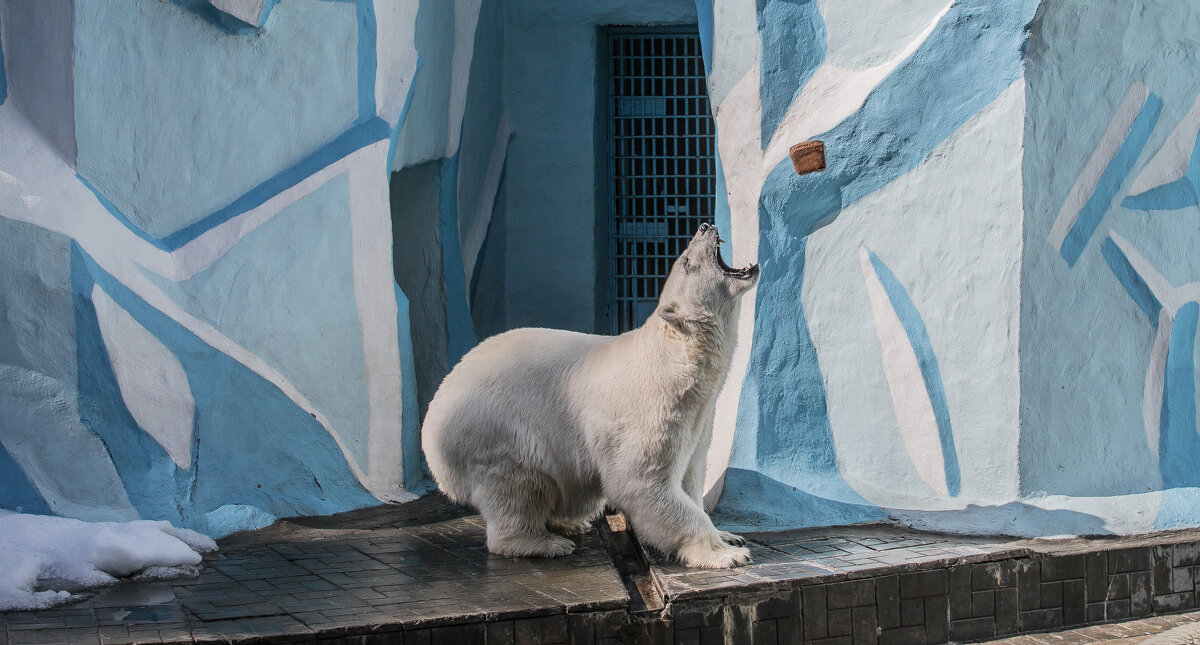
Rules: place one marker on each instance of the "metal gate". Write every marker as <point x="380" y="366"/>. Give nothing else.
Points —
<point x="661" y="165"/>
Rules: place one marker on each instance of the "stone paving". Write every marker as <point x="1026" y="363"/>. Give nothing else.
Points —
<point x="1129" y="632"/>
<point x="358" y="572"/>
<point x="419" y="573"/>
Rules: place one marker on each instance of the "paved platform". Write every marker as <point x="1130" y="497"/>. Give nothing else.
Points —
<point x="1174" y="629"/>
<point x="419" y="573"/>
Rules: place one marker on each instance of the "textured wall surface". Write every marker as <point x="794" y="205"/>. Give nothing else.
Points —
<point x="979" y="317"/>
<point x="38" y="37"/>
<point x="878" y="354"/>
<point x="200" y="317"/>
<point x="247" y="239"/>
<point x="1108" y="314"/>
<point x="268" y="100"/>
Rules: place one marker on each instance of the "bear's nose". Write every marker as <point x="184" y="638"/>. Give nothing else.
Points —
<point x="704" y="227"/>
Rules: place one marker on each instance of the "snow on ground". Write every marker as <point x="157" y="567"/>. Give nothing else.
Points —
<point x="75" y="554"/>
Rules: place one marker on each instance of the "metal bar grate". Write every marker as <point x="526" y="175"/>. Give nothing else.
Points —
<point x="661" y="165"/>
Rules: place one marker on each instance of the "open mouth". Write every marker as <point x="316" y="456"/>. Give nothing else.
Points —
<point x="743" y="273"/>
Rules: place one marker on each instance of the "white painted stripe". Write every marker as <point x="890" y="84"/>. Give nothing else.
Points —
<point x="1170" y="163"/>
<point x="1118" y="129"/>
<point x="910" y="400"/>
<point x="475" y="230"/>
<point x="1156" y="373"/>
<point x="395" y="54"/>
<point x="1168" y="295"/>
<point x="375" y="295"/>
<point x="834" y="93"/>
<point x="71" y="209"/>
<point x="466" y="19"/>
<point x="153" y="384"/>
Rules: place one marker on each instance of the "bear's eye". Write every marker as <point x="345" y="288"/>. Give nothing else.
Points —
<point x="687" y="266"/>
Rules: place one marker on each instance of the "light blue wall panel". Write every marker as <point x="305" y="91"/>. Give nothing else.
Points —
<point x="177" y="117"/>
<point x="1088" y="327"/>
<point x="784" y="434"/>
<point x="423" y="137"/>
<point x="297" y="312"/>
<point x="251" y="445"/>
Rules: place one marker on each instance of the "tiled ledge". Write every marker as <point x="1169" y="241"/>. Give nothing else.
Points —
<point x="419" y="573"/>
<point x="886" y="585"/>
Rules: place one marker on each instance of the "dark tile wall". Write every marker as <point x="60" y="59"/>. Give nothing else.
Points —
<point x="935" y="604"/>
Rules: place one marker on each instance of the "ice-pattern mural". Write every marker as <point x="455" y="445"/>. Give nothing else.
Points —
<point x="912" y="351"/>
<point x="201" y="318"/>
<point x="242" y="234"/>
<point x="1108" y="342"/>
<point x="845" y="406"/>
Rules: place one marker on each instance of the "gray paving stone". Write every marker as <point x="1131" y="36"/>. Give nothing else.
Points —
<point x="420" y="573"/>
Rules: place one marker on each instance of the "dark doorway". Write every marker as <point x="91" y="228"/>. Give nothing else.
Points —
<point x="660" y="161"/>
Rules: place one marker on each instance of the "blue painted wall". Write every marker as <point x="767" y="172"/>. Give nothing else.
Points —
<point x="482" y="116"/>
<point x="202" y="232"/>
<point x="1089" y="325"/>
<point x="423" y="137"/>
<point x="186" y="121"/>
<point x="251" y="445"/>
<point x="419" y="270"/>
<point x="268" y="100"/>
<point x="3" y="78"/>
<point x="550" y="86"/>
<point x="301" y="260"/>
<point x="38" y="65"/>
<point x="784" y="438"/>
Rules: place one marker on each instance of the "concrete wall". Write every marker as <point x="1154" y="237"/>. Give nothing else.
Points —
<point x="1108" y="320"/>
<point x="877" y="371"/>
<point x="200" y="317"/>
<point x="246" y="240"/>
<point x="978" y="318"/>
<point x="39" y="66"/>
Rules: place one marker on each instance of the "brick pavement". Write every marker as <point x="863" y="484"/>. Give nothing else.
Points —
<point x="1123" y="633"/>
<point x="419" y="573"/>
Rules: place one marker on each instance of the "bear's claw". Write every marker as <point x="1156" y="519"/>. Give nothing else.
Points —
<point x="732" y="538"/>
<point x="708" y="556"/>
<point x="569" y="528"/>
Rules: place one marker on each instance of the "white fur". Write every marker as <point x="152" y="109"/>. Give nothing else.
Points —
<point x="538" y="428"/>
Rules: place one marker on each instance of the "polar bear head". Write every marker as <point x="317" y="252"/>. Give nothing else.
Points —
<point x="701" y="289"/>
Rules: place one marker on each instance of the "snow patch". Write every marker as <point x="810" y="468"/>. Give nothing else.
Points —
<point x="78" y="554"/>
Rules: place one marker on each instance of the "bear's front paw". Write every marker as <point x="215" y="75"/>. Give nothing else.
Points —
<point x="714" y="556"/>
<point x="732" y="538"/>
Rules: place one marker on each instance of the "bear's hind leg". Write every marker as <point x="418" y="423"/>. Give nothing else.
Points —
<point x="515" y="503"/>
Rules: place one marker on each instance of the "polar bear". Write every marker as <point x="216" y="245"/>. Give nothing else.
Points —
<point x="538" y="428"/>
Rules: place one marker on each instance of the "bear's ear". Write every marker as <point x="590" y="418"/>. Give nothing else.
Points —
<point x="670" y="312"/>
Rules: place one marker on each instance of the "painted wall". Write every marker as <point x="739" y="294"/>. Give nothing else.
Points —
<point x="877" y="370"/>
<point x="1108" y="333"/>
<point x="247" y="239"/>
<point x="417" y="261"/>
<point x="38" y="37"/>
<point x="978" y="317"/>
<point x="200" y="317"/>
